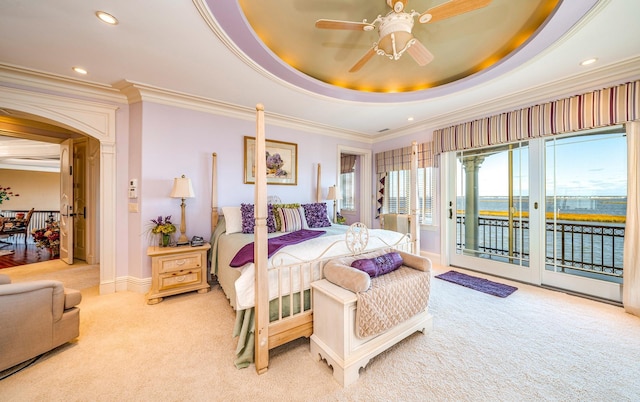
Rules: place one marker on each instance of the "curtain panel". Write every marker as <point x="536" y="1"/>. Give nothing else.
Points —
<point x="631" y="258"/>
<point x="399" y="159"/>
<point x="600" y="108"/>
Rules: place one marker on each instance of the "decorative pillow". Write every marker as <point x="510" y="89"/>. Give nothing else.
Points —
<point x="316" y="215"/>
<point x="276" y="215"/>
<point x="379" y="265"/>
<point x="233" y="219"/>
<point x="290" y="219"/>
<point x="305" y="225"/>
<point x="248" y="218"/>
<point x="346" y="277"/>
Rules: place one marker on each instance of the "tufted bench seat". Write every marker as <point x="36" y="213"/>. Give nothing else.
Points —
<point x="337" y="336"/>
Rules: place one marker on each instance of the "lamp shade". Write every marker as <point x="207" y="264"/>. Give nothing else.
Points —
<point x="182" y="188"/>
<point x="334" y="194"/>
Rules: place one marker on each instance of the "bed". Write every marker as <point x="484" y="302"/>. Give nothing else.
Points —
<point x="271" y="292"/>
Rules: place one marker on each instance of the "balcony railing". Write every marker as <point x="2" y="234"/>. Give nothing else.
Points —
<point x="589" y="247"/>
<point x="38" y="219"/>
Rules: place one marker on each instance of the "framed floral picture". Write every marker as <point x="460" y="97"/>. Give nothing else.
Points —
<point x="281" y="158"/>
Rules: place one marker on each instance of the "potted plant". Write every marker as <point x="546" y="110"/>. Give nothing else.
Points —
<point x="48" y="237"/>
<point x="164" y="228"/>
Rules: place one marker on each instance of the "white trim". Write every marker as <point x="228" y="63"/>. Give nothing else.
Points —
<point x="52" y="82"/>
<point x="138" y="92"/>
<point x="98" y="121"/>
<point x="132" y="284"/>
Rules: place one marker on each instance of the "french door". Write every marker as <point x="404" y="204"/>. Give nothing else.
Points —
<point x="547" y="211"/>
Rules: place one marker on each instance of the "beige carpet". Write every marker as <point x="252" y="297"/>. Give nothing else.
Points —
<point x="534" y="345"/>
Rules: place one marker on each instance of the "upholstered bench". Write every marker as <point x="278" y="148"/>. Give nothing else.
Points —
<point x="348" y="342"/>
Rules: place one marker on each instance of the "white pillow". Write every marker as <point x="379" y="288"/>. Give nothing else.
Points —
<point x="232" y="219"/>
<point x="304" y="218"/>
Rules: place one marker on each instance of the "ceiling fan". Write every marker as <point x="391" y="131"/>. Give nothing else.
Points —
<point x="394" y="29"/>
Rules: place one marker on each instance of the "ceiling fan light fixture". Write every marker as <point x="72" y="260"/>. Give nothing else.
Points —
<point x="424" y="18"/>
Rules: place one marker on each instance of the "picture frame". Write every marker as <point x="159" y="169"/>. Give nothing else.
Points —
<point x="282" y="162"/>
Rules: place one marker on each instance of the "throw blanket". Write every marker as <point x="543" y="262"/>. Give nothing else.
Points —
<point x="245" y="254"/>
<point x="392" y="298"/>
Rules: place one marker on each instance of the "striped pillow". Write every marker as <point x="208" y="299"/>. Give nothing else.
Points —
<point x="290" y="219"/>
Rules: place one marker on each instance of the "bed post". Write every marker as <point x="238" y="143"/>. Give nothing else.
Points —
<point x="319" y="187"/>
<point x="214" y="192"/>
<point x="260" y="249"/>
<point x="413" y="218"/>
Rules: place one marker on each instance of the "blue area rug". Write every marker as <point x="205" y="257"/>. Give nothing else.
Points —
<point x="479" y="284"/>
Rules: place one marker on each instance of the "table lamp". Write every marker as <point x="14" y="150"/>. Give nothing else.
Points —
<point x="334" y="194"/>
<point x="182" y="189"/>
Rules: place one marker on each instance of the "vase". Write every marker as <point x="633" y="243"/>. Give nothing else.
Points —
<point x="164" y="240"/>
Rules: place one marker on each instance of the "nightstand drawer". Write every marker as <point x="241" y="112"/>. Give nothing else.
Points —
<point x="177" y="279"/>
<point x="181" y="262"/>
<point x="177" y="270"/>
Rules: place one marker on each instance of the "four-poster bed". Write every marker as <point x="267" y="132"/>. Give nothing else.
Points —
<point x="271" y="292"/>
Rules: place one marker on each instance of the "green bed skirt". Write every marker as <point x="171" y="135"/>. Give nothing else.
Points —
<point x="244" y="328"/>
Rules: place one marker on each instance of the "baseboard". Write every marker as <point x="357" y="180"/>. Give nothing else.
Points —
<point x="132" y="284"/>
<point x="435" y="258"/>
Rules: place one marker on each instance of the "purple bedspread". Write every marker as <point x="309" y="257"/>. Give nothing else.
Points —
<point x="245" y="255"/>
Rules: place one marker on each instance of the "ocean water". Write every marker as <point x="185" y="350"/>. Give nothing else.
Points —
<point x="589" y="205"/>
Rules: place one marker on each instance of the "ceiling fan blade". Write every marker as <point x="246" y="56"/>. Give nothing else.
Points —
<point x="420" y="54"/>
<point x="348" y="25"/>
<point x="363" y="60"/>
<point x="451" y="9"/>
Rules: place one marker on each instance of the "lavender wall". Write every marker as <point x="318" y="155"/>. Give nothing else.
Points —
<point x="177" y="141"/>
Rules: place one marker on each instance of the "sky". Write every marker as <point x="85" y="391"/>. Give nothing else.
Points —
<point x="593" y="165"/>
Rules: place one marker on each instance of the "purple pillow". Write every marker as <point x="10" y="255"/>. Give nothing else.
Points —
<point x="316" y="215"/>
<point x="379" y="265"/>
<point x="248" y="218"/>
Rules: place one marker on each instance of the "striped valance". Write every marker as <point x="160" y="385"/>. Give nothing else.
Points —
<point x="604" y="107"/>
<point x="400" y="159"/>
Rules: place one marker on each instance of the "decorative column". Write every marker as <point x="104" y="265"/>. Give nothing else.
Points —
<point x="471" y="165"/>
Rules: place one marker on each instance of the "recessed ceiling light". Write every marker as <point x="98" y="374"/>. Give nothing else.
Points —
<point x="588" y="61"/>
<point x="106" y="17"/>
<point x="80" y="70"/>
<point x="410" y="119"/>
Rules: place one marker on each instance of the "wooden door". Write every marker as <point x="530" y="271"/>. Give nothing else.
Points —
<point x="66" y="201"/>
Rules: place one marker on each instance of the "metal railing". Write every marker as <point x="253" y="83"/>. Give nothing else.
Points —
<point x="38" y="220"/>
<point x="589" y="247"/>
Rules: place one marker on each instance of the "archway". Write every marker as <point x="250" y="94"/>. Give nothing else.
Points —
<point x="95" y="120"/>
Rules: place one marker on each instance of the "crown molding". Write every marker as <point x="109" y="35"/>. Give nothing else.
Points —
<point x="139" y="92"/>
<point x="24" y="77"/>
<point x="611" y="75"/>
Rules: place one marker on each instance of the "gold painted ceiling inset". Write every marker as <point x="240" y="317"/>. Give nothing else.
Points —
<point x="461" y="45"/>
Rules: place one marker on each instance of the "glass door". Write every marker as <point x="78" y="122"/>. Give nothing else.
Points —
<point x="491" y="214"/>
<point x="586" y="206"/>
<point x="550" y="211"/>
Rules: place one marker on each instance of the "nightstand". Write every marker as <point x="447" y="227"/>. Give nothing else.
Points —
<point x="177" y="270"/>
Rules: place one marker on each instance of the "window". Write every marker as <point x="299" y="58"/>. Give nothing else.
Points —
<point x="348" y="180"/>
<point x="347" y="188"/>
<point x="398" y="193"/>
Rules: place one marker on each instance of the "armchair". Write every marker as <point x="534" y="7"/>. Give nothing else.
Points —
<point x="36" y="317"/>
